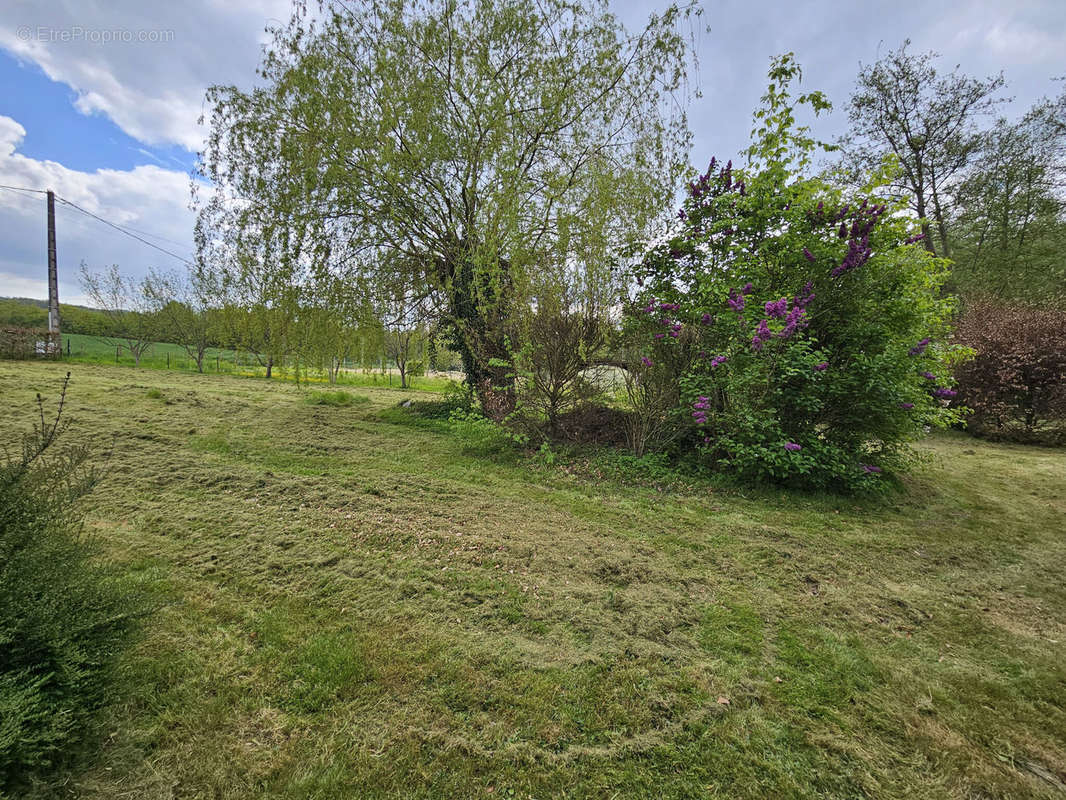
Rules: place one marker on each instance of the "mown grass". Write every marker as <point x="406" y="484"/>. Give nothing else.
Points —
<point x="362" y="604"/>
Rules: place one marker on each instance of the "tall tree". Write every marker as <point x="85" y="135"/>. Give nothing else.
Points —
<point x="902" y="106"/>
<point x="1010" y="222"/>
<point x="478" y="139"/>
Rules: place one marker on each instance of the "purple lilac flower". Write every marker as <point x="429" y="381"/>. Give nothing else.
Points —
<point x="660" y="335"/>
<point x="870" y="468"/>
<point x="681" y="214"/>
<point x="706" y="319"/>
<point x="762" y="334"/>
<point x="843" y="232"/>
<point x="736" y="301"/>
<point x="776" y="308"/>
<point x="944" y="393"/>
<point x="821" y="367"/>
<point x="929" y="376"/>
<point x="906" y="406"/>
<point x="748" y="288"/>
<point x="913" y="239"/>
<point x="919" y="348"/>
<point x="794" y="320"/>
<point x="700" y="409"/>
<point x="792" y="447"/>
<point x="647" y="362"/>
<point x="859" y="253"/>
<point x="807" y="295"/>
<point x="717" y="361"/>
<point x="808" y="254"/>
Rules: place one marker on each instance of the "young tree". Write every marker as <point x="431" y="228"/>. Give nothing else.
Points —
<point x="470" y="136"/>
<point x="405" y="309"/>
<point x="903" y="107"/>
<point x="129" y="309"/>
<point x="183" y="306"/>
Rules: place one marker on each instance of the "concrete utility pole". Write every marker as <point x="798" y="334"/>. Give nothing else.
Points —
<point x="53" y="276"/>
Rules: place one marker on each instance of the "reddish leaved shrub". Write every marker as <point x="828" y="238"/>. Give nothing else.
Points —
<point x="1016" y="384"/>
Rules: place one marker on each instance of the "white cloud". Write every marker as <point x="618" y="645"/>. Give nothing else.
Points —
<point x="143" y="65"/>
<point x="147" y="198"/>
<point x="17" y="286"/>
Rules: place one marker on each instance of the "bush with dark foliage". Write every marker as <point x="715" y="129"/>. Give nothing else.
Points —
<point x="63" y="617"/>
<point x="1016" y="383"/>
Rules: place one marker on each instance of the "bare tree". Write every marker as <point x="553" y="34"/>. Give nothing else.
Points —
<point x="183" y="303"/>
<point x="404" y="321"/>
<point x="128" y="308"/>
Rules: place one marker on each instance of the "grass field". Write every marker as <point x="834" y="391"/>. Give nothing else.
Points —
<point x="82" y="349"/>
<point x="360" y="603"/>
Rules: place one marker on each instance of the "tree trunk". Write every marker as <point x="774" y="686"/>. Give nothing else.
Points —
<point x="480" y="319"/>
<point x="270" y="366"/>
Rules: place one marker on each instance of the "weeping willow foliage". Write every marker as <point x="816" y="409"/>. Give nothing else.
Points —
<point x="456" y="149"/>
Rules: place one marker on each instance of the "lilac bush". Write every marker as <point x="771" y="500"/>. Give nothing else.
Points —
<point x="813" y="322"/>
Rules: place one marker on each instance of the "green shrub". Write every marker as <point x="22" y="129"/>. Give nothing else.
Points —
<point x="335" y="398"/>
<point x="63" y="618"/>
<point x="791" y="330"/>
<point x="154" y="394"/>
<point x="481" y="436"/>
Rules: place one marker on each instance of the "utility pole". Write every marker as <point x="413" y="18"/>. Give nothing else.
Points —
<point x="53" y="276"/>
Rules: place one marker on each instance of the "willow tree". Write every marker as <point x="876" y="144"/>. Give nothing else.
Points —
<point x="480" y="141"/>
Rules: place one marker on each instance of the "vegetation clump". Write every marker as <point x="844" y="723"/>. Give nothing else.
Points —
<point x="64" y="618"/>
<point x="338" y="398"/>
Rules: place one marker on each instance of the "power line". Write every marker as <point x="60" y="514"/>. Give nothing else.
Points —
<point x="128" y="232"/>
<point x="155" y="236"/>
<point x="22" y="189"/>
<point x="120" y="229"/>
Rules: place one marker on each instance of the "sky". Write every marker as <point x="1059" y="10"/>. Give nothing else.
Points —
<point x="101" y="99"/>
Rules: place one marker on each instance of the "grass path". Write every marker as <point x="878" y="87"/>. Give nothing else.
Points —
<point x="360" y="606"/>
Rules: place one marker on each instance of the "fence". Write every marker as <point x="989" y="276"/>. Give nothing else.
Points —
<point x="24" y="343"/>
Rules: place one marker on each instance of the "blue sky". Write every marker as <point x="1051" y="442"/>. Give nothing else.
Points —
<point x="101" y="100"/>
<point x="57" y="130"/>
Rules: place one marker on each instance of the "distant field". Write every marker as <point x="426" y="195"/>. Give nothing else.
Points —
<point x="82" y="349"/>
<point x="360" y="602"/>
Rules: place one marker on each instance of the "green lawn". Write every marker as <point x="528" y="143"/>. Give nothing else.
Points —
<point x="360" y="604"/>
<point x="81" y="349"/>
